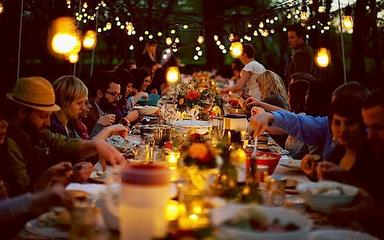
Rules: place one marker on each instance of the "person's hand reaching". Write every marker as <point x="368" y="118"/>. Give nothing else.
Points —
<point x="60" y="173"/>
<point x="82" y="171"/>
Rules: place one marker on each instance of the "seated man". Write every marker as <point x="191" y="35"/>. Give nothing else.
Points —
<point x="105" y="95"/>
<point x="32" y="148"/>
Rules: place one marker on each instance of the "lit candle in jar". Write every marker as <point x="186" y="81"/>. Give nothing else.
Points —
<point x="172" y="210"/>
<point x="193" y="217"/>
<point x="172" y="159"/>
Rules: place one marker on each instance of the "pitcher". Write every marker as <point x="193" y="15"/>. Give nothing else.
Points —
<point x="143" y="197"/>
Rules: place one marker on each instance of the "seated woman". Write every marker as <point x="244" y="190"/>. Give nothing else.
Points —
<point x="130" y="96"/>
<point x="272" y="92"/>
<point x="72" y="96"/>
<point x="142" y="79"/>
<point x="271" y="84"/>
<point x="348" y="132"/>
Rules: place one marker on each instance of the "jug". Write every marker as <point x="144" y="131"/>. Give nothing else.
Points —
<point x="140" y="209"/>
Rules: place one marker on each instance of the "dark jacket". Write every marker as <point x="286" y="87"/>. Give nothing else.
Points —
<point x="302" y="60"/>
<point x="30" y="156"/>
<point x="57" y="127"/>
<point x="91" y="120"/>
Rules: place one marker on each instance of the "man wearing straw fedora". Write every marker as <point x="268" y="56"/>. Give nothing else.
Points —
<point x="32" y="147"/>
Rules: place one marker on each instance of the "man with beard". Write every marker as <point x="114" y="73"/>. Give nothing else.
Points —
<point x="32" y="148"/>
<point x="105" y="94"/>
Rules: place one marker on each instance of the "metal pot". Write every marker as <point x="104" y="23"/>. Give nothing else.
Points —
<point x="152" y="129"/>
<point x="165" y="132"/>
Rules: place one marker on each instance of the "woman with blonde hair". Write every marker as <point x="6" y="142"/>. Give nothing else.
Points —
<point x="72" y="97"/>
<point x="271" y="84"/>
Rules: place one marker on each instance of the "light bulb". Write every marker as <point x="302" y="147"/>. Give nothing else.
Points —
<point x="168" y="41"/>
<point x="200" y="39"/>
<point x="73" y="58"/>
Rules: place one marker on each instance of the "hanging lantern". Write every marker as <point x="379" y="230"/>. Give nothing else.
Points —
<point x="348" y="19"/>
<point x="323" y="57"/>
<point x="304" y="14"/>
<point x="321" y="8"/>
<point x="173" y="75"/>
<point x="90" y="39"/>
<point x="64" y="37"/>
<point x="236" y="49"/>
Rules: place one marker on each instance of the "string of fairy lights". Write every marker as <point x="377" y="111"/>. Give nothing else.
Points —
<point x="291" y="10"/>
<point x="106" y="15"/>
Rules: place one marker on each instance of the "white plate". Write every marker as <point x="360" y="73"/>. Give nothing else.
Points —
<point x="324" y="202"/>
<point x="201" y="127"/>
<point x="147" y="110"/>
<point x="47" y="232"/>
<point x="220" y="215"/>
<point x="290" y="163"/>
<point x="339" y="234"/>
<point x="191" y="123"/>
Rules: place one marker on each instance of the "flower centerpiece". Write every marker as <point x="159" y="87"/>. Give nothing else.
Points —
<point x="201" y="162"/>
<point x="193" y="101"/>
<point x="202" y="104"/>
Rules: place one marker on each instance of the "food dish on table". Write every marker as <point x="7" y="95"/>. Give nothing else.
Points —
<point x="118" y="142"/>
<point x="237" y="221"/>
<point x="323" y="196"/>
<point x="122" y="144"/>
<point x="201" y="127"/>
<point x="53" y="224"/>
<point x="147" y="110"/>
<point x="290" y="163"/>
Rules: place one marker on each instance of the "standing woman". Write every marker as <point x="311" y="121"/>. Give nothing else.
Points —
<point x="252" y="69"/>
<point x="148" y="57"/>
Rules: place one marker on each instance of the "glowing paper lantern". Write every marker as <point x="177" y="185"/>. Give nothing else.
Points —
<point x="322" y="57"/>
<point x="236" y="49"/>
<point x="90" y="39"/>
<point x="173" y="75"/>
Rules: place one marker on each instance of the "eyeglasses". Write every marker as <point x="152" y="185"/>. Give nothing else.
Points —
<point x="115" y="95"/>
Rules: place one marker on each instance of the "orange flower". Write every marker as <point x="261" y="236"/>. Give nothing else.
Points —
<point x="198" y="150"/>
